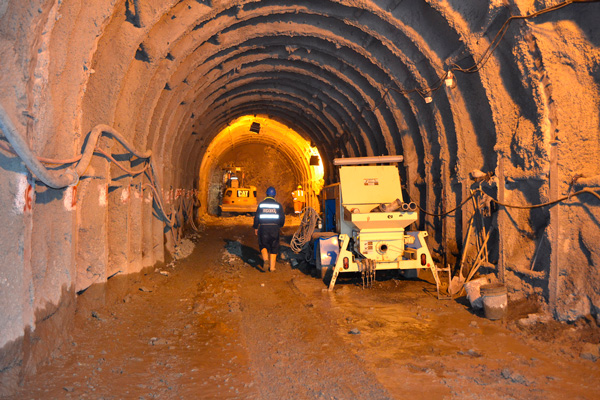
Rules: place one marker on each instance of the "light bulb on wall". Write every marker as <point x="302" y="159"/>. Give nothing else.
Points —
<point x="450" y="81"/>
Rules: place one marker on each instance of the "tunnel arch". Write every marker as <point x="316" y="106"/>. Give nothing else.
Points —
<point x="352" y="78"/>
<point x="439" y="126"/>
<point x="203" y="26"/>
<point x="290" y="144"/>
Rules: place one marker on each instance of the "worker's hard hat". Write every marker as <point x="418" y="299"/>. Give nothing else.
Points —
<point x="299" y="186"/>
<point x="271" y="192"/>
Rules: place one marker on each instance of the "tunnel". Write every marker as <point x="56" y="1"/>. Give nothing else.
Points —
<point x="119" y="116"/>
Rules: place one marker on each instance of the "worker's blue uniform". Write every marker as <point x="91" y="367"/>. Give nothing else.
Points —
<point x="269" y="218"/>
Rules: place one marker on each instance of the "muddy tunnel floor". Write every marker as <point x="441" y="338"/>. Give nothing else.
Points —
<point x="214" y="325"/>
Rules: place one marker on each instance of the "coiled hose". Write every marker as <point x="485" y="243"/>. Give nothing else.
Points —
<point x="304" y="233"/>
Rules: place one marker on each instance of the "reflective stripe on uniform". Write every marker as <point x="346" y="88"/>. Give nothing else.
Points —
<point x="268" y="205"/>
<point x="268" y="216"/>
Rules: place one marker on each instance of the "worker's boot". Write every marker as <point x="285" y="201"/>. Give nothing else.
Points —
<point x="265" y="256"/>
<point x="272" y="259"/>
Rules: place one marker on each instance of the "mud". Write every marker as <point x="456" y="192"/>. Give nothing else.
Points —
<point x="214" y="325"/>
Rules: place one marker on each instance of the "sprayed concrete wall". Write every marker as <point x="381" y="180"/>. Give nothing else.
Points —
<point x="356" y="78"/>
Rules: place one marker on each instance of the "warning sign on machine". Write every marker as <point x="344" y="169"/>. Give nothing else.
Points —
<point x="371" y="182"/>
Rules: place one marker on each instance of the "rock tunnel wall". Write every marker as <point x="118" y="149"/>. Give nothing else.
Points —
<point x="354" y="77"/>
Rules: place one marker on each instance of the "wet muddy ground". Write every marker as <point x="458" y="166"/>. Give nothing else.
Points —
<point x="215" y="326"/>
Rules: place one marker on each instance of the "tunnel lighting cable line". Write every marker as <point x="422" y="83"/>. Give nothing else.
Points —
<point x="567" y="197"/>
<point x="430" y="90"/>
<point x="520" y="207"/>
<point x="500" y="35"/>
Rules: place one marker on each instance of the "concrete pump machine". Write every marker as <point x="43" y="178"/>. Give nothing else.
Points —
<point x="367" y="218"/>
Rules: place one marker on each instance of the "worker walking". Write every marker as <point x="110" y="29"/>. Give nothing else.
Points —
<point x="299" y="199"/>
<point x="269" y="218"/>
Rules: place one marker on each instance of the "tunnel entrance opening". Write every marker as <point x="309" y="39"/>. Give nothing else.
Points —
<point x="265" y="153"/>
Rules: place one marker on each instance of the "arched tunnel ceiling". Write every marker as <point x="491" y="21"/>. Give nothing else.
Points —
<point x="354" y="77"/>
<point x="342" y="73"/>
<point x="350" y="76"/>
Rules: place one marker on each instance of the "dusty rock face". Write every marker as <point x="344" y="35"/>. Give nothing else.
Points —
<point x="263" y="167"/>
<point x="355" y="78"/>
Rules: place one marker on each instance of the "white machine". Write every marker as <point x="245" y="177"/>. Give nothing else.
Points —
<point x="371" y="217"/>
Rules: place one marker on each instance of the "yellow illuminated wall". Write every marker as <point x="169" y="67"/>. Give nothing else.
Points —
<point x="272" y="133"/>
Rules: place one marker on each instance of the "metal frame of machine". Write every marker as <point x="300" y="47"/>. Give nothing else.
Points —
<point x="370" y="220"/>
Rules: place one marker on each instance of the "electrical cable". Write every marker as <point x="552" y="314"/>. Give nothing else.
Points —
<point x="500" y="34"/>
<point x="483" y="59"/>
<point x="447" y="212"/>
<point x="303" y="234"/>
<point x="521" y="207"/>
<point x="4" y="146"/>
<point x="190" y="214"/>
<point x="70" y="177"/>
<point x="92" y="141"/>
<point x="158" y="190"/>
<point x="118" y="164"/>
<point x="54" y="179"/>
<point x="549" y="203"/>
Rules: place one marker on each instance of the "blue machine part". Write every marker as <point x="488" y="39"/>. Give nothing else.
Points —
<point x="417" y="243"/>
<point x="330" y="208"/>
<point x="327" y="249"/>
